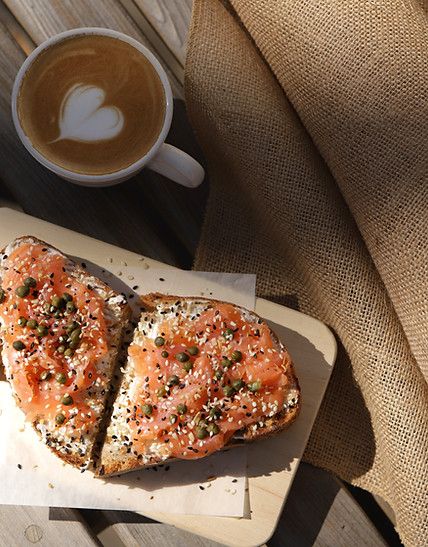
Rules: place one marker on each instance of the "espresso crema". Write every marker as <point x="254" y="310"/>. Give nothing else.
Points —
<point x="92" y="104"/>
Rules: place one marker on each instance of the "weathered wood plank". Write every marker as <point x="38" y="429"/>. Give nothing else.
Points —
<point x="26" y="525"/>
<point x="45" y="18"/>
<point x="171" y="19"/>
<point x="320" y="511"/>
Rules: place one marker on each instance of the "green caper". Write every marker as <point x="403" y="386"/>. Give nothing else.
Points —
<point x="70" y="307"/>
<point x="147" y="409"/>
<point x="60" y="419"/>
<point x="173" y="418"/>
<point x="161" y="392"/>
<point x="22" y="291"/>
<point x="71" y="327"/>
<point x="218" y="375"/>
<point x="188" y="366"/>
<point x="173" y="380"/>
<point x="193" y="350"/>
<point x="30" y="282"/>
<point x="75" y="334"/>
<point x="165" y="354"/>
<point x="74" y="343"/>
<point x="57" y="302"/>
<point x="69" y="352"/>
<point x="254" y="386"/>
<point x="32" y="324"/>
<point x="42" y="330"/>
<point x="201" y="432"/>
<point x="236" y="356"/>
<point x="237" y="384"/>
<point x="67" y="297"/>
<point x="182" y="357"/>
<point x="2" y="295"/>
<point x="45" y="375"/>
<point x="57" y="314"/>
<point x="181" y="408"/>
<point x="22" y="321"/>
<point x="61" y="349"/>
<point x="159" y="341"/>
<point x="225" y="362"/>
<point x="67" y="400"/>
<point x="60" y="377"/>
<point x="18" y="345"/>
<point x="213" y="428"/>
<point x="229" y="391"/>
<point x="215" y="412"/>
<point x="228" y="334"/>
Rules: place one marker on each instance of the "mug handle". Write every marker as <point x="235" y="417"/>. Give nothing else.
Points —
<point x="173" y="163"/>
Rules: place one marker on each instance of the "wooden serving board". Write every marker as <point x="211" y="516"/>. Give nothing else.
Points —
<point x="272" y="463"/>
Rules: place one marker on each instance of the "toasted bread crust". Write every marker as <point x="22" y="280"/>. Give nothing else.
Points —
<point x="122" y="313"/>
<point x="111" y="464"/>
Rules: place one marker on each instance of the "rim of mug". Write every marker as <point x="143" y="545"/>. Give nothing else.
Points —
<point x="107" y="178"/>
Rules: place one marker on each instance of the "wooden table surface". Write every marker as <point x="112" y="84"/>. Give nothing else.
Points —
<point x="157" y="218"/>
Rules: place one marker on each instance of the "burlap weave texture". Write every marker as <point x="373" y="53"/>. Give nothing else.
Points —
<point x="313" y="117"/>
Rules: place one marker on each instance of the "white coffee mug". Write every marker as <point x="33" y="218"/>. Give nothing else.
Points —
<point x="162" y="158"/>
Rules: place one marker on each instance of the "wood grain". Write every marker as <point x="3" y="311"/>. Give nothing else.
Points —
<point x="171" y="19"/>
<point x="32" y="525"/>
<point x="45" y="18"/>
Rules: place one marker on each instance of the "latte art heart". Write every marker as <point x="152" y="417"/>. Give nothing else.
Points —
<point x="84" y="119"/>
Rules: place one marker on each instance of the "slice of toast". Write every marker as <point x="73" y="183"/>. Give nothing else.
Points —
<point x="73" y="440"/>
<point x="119" y="453"/>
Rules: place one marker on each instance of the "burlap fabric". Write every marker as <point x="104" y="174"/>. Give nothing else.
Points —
<point x="313" y="117"/>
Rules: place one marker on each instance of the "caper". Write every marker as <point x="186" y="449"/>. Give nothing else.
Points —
<point x="254" y="386"/>
<point x="74" y="343"/>
<point x="57" y="302"/>
<point x="57" y="314"/>
<point x="226" y="363"/>
<point x="60" y="377"/>
<point x="218" y="375"/>
<point x="22" y="321"/>
<point x="173" y="380"/>
<point x="188" y="366"/>
<point x="159" y="341"/>
<point x="70" y="307"/>
<point x="147" y="410"/>
<point x="22" y="291"/>
<point x="237" y="384"/>
<point x="45" y="375"/>
<point x="164" y="354"/>
<point x="30" y="282"/>
<point x="60" y="349"/>
<point x="74" y="335"/>
<point x="193" y="350"/>
<point x="42" y="330"/>
<point x="60" y="419"/>
<point x="201" y="432"/>
<point x="215" y="412"/>
<point x="181" y="408"/>
<point x="71" y="327"/>
<point x="161" y="392"/>
<point x="18" y="345"/>
<point x="32" y="324"/>
<point x="236" y="356"/>
<point x="67" y="297"/>
<point x="213" y="429"/>
<point x="173" y="418"/>
<point x="182" y="357"/>
<point x="229" y="391"/>
<point x="2" y="295"/>
<point x="69" y="352"/>
<point x="67" y="400"/>
<point x="228" y="334"/>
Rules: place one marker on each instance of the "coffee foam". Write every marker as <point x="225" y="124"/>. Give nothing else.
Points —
<point x="92" y="104"/>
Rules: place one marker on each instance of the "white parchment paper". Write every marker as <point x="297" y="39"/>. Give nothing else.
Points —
<point x="30" y="474"/>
